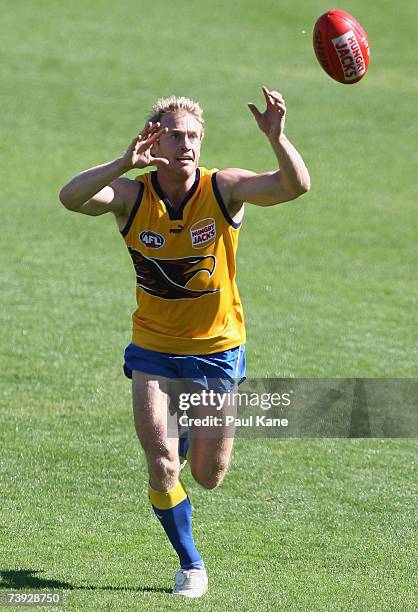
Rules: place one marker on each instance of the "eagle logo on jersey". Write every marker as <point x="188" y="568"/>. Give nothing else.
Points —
<point x="167" y="278"/>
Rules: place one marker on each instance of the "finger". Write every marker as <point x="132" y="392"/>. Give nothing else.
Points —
<point x="160" y="160"/>
<point x="133" y="145"/>
<point x="154" y="126"/>
<point x="281" y="105"/>
<point x="272" y="97"/>
<point x="146" y="129"/>
<point x="276" y="96"/>
<point x="275" y="93"/>
<point x="267" y="97"/>
<point x="254" y="110"/>
<point x="160" y="132"/>
<point x="156" y="135"/>
<point x="145" y="141"/>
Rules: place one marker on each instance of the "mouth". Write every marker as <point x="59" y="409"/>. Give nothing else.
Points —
<point x="184" y="158"/>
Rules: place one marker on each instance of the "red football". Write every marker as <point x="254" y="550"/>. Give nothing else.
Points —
<point x="341" y="46"/>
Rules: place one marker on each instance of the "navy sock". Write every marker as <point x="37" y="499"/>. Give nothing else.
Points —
<point x="184" y="445"/>
<point x="174" y="511"/>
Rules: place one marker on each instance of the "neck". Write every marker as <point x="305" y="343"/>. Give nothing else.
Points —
<point x="175" y="187"/>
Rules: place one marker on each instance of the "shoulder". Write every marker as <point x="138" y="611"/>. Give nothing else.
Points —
<point x="219" y="181"/>
<point x="229" y="177"/>
<point x="223" y="179"/>
<point x="226" y="181"/>
<point x="128" y="192"/>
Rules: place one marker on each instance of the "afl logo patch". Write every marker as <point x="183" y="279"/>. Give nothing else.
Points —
<point x="203" y="233"/>
<point x="151" y="239"/>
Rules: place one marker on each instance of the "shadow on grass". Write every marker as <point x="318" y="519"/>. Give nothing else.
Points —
<point x="25" y="579"/>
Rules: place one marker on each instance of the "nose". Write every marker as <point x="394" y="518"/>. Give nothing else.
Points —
<point x="185" y="142"/>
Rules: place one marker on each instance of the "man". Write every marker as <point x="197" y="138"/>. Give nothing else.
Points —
<point x="181" y="224"/>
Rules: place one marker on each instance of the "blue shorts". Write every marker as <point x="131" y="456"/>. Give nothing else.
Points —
<point x="221" y="372"/>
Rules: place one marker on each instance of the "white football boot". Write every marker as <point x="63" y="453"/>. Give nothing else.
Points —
<point x="191" y="583"/>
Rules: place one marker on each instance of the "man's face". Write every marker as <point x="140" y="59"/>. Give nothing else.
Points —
<point x="181" y="144"/>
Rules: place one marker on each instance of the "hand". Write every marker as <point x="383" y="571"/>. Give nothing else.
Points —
<point x="138" y="154"/>
<point x="271" y="122"/>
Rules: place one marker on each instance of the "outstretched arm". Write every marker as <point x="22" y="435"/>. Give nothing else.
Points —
<point x="102" y="189"/>
<point x="287" y="183"/>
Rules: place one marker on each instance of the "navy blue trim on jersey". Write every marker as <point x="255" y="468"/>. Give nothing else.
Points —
<point x="175" y="214"/>
<point x="134" y="210"/>
<point x="221" y="203"/>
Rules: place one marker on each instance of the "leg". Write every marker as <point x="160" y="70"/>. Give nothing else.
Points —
<point x="211" y="447"/>
<point x="151" y="398"/>
<point x="153" y="422"/>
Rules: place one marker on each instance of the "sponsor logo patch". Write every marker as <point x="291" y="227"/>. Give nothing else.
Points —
<point x="350" y="55"/>
<point x="203" y="233"/>
<point x="152" y="240"/>
<point x="177" y="230"/>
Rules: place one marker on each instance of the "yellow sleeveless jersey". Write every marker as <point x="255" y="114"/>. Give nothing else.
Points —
<point x="184" y="259"/>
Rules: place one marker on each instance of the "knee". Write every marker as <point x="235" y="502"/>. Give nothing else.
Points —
<point x="209" y="477"/>
<point x="163" y="468"/>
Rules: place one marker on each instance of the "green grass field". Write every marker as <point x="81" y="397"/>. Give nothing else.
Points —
<point x="328" y="285"/>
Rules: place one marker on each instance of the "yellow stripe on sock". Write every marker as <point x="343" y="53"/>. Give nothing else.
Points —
<point x="165" y="501"/>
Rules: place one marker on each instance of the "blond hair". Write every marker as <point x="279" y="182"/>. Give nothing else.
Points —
<point x="174" y="104"/>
